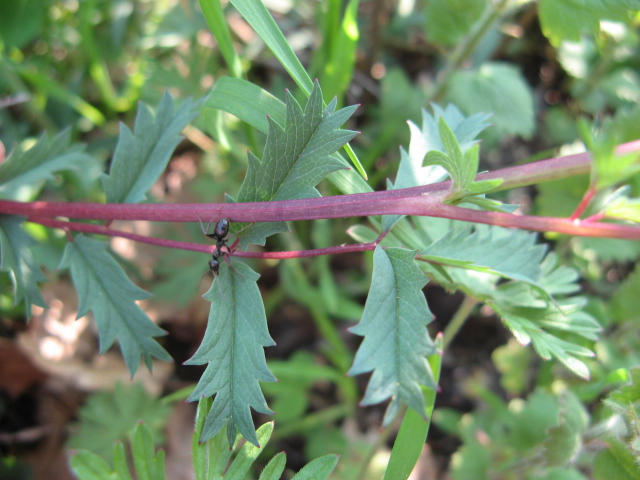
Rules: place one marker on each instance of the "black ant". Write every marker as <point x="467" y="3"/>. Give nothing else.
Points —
<point x="220" y="231"/>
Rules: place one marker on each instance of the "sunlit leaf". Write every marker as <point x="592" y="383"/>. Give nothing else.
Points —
<point x="41" y="161"/>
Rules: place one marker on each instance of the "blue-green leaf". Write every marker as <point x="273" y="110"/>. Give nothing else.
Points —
<point x="16" y="258"/>
<point x="411" y="172"/>
<point x="233" y="347"/>
<point x="142" y="155"/>
<point x="47" y="156"/>
<point x="317" y="469"/>
<point x="104" y="288"/>
<point x="508" y="253"/>
<point x="396" y="343"/>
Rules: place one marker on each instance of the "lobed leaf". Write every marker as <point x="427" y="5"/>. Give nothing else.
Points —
<point x="142" y="155"/>
<point x="41" y="161"/>
<point x="297" y="156"/>
<point x="104" y="288"/>
<point x="505" y="252"/>
<point x="16" y="258"/>
<point x="396" y="343"/>
<point x="233" y="349"/>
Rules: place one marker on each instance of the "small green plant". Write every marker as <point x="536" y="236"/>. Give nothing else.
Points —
<point x="440" y="221"/>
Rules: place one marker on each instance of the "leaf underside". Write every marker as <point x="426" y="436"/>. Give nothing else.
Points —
<point x="105" y="289"/>
<point x="233" y="348"/>
<point x="396" y="341"/>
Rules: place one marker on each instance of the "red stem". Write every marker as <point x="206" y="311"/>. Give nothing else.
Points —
<point x="423" y="200"/>
<point x="586" y="198"/>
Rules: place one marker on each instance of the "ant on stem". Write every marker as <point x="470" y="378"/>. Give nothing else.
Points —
<point x="220" y="231"/>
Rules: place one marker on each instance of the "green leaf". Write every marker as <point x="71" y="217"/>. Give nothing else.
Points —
<point x="247" y="101"/>
<point x="626" y="395"/>
<point x="608" y="167"/>
<point x="564" y="440"/>
<point x="462" y="167"/>
<point x="447" y="21"/>
<point x="297" y="156"/>
<point x="148" y="464"/>
<point x="21" y="22"/>
<point x="104" y="288"/>
<point x="317" y="469"/>
<point x="616" y="461"/>
<point x="89" y="466"/>
<point x="529" y="426"/>
<point x="567" y="19"/>
<point x="498" y="88"/>
<point x="233" y="348"/>
<point x="505" y="252"/>
<point x="214" y="15"/>
<point x="41" y="161"/>
<point x="16" y="258"/>
<point x="257" y="15"/>
<point x="111" y="416"/>
<point x="142" y="155"/>
<point x="275" y="467"/>
<point x="624" y="208"/>
<point x="248" y="454"/>
<point x="396" y="341"/>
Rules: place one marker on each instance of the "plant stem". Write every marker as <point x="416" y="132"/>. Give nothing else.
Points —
<point x="465" y="309"/>
<point x="422" y="201"/>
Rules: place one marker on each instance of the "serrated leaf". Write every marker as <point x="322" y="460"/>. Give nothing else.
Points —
<point x="111" y="416"/>
<point x="142" y="155"/>
<point x="615" y="462"/>
<point x="41" y="161"/>
<point x="505" y="252"/>
<point x="297" y="156"/>
<point x="317" y="469"/>
<point x="462" y="167"/>
<point x="411" y="172"/>
<point x="626" y="395"/>
<point x="567" y="19"/>
<point x="233" y="348"/>
<point x="104" y="288"/>
<point x="499" y="88"/>
<point x="396" y="343"/>
<point x="16" y="258"/>
<point x="526" y="326"/>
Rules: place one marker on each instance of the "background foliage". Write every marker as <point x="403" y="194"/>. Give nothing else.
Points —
<point x="77" y="72"/>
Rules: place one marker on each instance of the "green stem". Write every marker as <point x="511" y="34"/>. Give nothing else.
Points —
<point x="467" y="46"/>
<point x="465" y="309"/>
